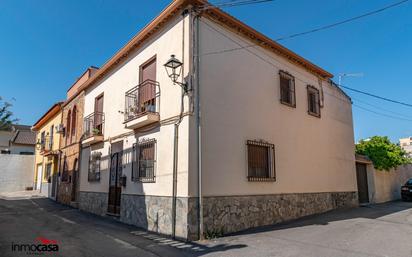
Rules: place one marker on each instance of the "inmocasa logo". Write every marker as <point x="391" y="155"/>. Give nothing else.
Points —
<point x="41" y="245"/>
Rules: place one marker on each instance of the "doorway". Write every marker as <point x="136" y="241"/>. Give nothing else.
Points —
<point x="39" y="176"/>
<point x="362" y="181"/>
<point x="115" y="189"/>
<point x="74" y="181"/>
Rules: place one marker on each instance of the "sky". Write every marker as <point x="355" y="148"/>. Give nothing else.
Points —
<point x="46" y="44"/>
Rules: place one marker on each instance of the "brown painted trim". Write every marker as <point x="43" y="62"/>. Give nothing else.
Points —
<point x="153" y="58"/>
<point x="95" y="100"/>
<point x="308" y="88"/>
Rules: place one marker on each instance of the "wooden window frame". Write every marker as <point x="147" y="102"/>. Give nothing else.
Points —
<point x="136" y="172"/>
<point x="73" y="123"/>
<point x="271" y="162"/>
<point x="151" y="59"/>
<point x="291" y="89"/>
<point x="313" y="90"/>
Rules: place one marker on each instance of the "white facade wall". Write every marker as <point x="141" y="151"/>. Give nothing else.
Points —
<point x="240" y="101"/>
<point x="114" y="85"/>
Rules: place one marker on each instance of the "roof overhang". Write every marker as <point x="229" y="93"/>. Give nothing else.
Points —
<point x="216" y="14"/>
<point x="53" y="111"/>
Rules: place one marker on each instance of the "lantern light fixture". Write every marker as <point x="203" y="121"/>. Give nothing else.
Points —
<point x="174" y="69"/>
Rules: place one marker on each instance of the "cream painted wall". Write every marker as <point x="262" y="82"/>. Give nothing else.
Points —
<point x="39" y="159"/>
<point x="240" y="101"/>
<point x="114" y="86"/>
<point x="387" y="184"/>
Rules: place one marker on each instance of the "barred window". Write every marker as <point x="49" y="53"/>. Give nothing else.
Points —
<point x="261" y="161"/>
<point x="313" y="101"/>
<point x="94" y="166"/>
<point x="287" y="89"/>
<point x="144" y="161"/>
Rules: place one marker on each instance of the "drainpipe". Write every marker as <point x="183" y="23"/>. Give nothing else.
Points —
<point x="198" y="123"/>
<point x="176" y="135"/>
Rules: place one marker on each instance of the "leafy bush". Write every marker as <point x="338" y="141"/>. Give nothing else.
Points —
<point x="383" y="153"/>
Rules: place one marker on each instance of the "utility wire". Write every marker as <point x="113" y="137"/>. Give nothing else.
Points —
<point x="342" y="22"/>
<point x="305" y="82"/>
<point x="382" y="114"/>
<point x="376" y="96"/>
<point x="233" y="3"/>
<point x="315" y="29"/>
<point x="380" y="108"/>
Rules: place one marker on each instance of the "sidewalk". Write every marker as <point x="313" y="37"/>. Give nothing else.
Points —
<point x="20" y="195"/>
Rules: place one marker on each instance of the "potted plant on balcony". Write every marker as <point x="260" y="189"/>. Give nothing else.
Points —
<point x="95" y="131"/>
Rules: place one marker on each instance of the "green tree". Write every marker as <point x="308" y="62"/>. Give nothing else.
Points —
<point x="6" y="119"/>
<point x="383" y="153"/>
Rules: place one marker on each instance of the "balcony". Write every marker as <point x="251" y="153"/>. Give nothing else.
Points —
<point x="46" y="145"/>
<point x="93" y="129"/>
<point x="142" y="105"/>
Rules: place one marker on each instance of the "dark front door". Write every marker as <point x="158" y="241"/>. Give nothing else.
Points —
<point x="115" y="189"/>
<point x="74" y="181"/>
<point x="362" y="179"/>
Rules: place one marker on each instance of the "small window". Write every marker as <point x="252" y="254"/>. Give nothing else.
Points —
<point x="94" y="167"/>
<point x="313" y="101"/>
<point x="261" y="161"/>
<point x="74" y="122"/>
<point x="287" y="89"/>
<point x="144" y="161"/>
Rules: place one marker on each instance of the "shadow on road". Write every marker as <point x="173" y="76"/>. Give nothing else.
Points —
<point x="373" y="211"/>
<point x="83" y="223"/>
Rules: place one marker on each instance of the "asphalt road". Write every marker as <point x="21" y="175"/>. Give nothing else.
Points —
<point x="377" y="230"/>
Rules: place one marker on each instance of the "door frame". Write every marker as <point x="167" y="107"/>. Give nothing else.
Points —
<point x="363" y="172"/>
<point x="39" y="181"/>
<point x="117" y="153"/>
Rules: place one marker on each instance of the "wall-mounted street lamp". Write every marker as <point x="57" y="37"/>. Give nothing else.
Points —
<point x="174" y="69"/>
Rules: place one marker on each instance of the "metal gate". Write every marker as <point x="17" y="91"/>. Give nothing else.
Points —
<point x="115" y="188"/>
<point x="362" y="180"/>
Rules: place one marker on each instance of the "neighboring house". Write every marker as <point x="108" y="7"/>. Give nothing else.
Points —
<point x="18" y="140"/>
<point x="406" y="145"/>
<point x="72" y="120"/>
<point x="253" y="136"/>
<point x="17" y="148"/>
<point x="48" y="129"/>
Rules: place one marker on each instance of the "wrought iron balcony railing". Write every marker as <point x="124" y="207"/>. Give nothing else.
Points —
<point x="46" y="144"/>
<point x="94" y="125"/>
<point x="141" y="100"/>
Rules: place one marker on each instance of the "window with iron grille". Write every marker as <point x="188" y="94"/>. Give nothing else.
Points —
<point x="94" y="167"/>
<point x="261" y="161"/>
<point x="287" y="89"/>
<point x="144" y="161"/>
<point x="313" y="101"/>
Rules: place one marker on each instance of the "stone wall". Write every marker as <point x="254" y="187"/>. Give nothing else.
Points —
<point x="16" y="172"/>
<point x="154" y="213"/>
<point x="93" y="202"/>
<point x="229" y="214"/>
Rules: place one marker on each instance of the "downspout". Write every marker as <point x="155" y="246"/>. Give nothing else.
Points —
<point x="176" y="135"/>
<point x="198" y="124"/>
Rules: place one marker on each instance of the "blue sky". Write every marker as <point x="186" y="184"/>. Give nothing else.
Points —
<point x="45" y="45"/>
